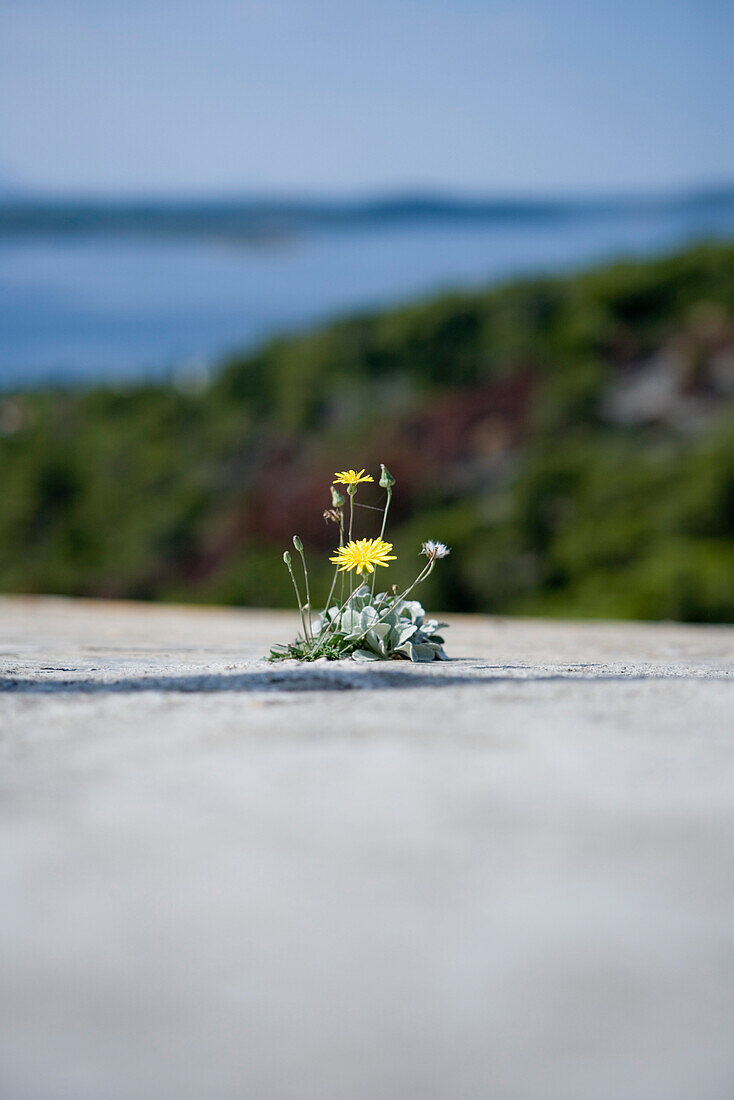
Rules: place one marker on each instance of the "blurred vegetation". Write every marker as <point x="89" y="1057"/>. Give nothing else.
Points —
<point x="572" y="438"/>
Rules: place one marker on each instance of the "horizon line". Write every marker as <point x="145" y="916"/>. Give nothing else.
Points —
<point x="362" y="196"/>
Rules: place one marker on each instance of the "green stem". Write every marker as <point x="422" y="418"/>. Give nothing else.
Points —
<point x="325" y="633"/>
<point x="336" y="568"/>
<point x="341" y="543"/>
<point x="332" y="625"/>
<point x="384" y="516"/>
<point x="331" y="590"/>
<point x="309" y="636"/>
<point x="388" y="498"/>
<point x="298" y="599"/>
<point x="352" y="492"/>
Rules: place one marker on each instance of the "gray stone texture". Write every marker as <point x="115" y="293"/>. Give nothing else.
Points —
<point x="506" y="877"/>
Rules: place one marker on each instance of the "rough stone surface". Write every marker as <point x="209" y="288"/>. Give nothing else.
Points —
<point x="507" y="877"/>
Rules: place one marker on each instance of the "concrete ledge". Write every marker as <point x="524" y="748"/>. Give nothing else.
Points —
<point x="510" y="876"/>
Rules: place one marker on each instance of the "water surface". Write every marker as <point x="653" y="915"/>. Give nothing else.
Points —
<point x="83" y="309"/>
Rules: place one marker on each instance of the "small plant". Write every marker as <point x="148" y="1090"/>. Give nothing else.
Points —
<point x="361" y="624"/>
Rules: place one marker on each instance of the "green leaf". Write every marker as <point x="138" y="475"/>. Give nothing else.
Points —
<point x="412" y="610"/>
<point x="378" y="638"/>
<point x="404" y="633"/>
<point x="423" y="653"/>
<point x="365" y="655"/>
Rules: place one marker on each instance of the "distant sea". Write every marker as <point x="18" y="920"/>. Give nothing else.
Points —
<point x="111" y="305"/>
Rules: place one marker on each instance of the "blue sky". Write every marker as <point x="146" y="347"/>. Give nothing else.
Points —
<point x="338" y="96"/>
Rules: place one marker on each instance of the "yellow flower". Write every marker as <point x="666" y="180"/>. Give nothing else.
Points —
<point x="350" y="477"/>
<point x="363" y="555"/>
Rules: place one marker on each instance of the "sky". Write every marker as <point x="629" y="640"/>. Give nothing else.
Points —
<point x="344" y="96"/>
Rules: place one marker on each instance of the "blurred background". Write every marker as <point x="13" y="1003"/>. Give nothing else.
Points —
<point x="245" y="244"/>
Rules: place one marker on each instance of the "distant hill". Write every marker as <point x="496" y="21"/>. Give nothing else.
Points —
<point x="572" y="438"/>
<point x="255" y="219"/>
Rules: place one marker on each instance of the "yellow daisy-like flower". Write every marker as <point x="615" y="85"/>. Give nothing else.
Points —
<point x="350" y="477"/>
<point x="363" y="555"/>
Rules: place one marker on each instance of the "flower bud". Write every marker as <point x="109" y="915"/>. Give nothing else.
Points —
<point x="287" y="559"/>
<point x="386" y="479"/>
<point x="298" y="544"/>
<point x="337" y="499"/>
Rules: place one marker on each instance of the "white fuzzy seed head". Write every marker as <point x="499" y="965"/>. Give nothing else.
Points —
<point x="435" y="550"/>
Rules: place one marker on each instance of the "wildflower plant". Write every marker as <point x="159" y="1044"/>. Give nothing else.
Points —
<point x="360" y="623"/>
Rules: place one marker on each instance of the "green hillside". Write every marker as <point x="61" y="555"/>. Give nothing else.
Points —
<point x="572" y="438"/>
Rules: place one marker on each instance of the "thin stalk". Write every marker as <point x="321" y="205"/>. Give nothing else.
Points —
<point x="332" y="625"/>
<point x="351" y="492"/>
<point x="342" y="605"/>
<point x="341" y="543"/>
<point x="384" y="514"/>
<point x="388" y="498"/>
<point x="309" y="636"/>
<point x="336" y="568"/>
<point x="298" y="599"/>
<point x="331" y="590"/>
